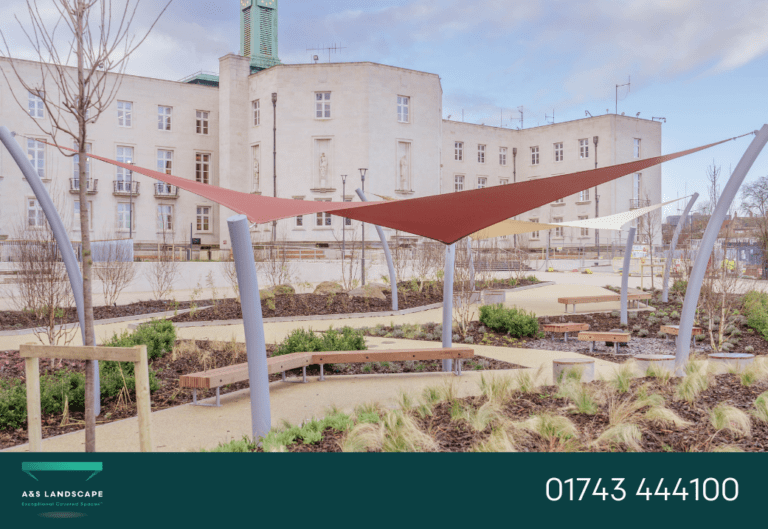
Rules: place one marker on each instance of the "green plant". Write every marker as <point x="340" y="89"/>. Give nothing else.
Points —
<point x="582" y="397"/>
<point x="680" y="286"/>
<point x="626" y="434"/>
<point x="724" y="417"/>
<point x="513" y="321"/>
<point x="761" y="407"/>
<point x="557" y="431"/>
<point x="158" y="335"/>
<point x="301" y="341"/>
<point x="622" y="377"/>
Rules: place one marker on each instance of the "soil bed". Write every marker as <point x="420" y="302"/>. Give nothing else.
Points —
<point x="192" y="357"/>
<point x="456" y="435"/>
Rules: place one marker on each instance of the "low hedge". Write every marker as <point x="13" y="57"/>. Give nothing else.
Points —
<point x="516" y="322"/>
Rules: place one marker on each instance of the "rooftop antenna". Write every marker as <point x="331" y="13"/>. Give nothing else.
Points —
<point x="336" y="48"/>
<point x="660" y="119"/>
<point x="522" y="123"/>
<point x="546" y="117"/>
<point x="315" y="58"/>
<point x="586" y="113"/>
<point x="629" y="87"/>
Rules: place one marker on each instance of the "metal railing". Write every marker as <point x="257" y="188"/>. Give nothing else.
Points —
<point x="639" y="203"/>
<point x="163" y="190"/>
<point x="91" y="186"/>
<point x="125" y="187"/>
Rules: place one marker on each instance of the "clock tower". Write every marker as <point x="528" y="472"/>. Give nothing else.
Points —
<point x="258" y="32"/>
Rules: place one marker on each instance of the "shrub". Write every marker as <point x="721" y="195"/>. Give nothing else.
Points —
<point x="469" y="339"/>
<point x="54" y="391"/>
<point x="680" y="286"/>
<point x="13" y="405"/>
<point x="643" y="333"/>
<point x="158" y="335"/>
<point x="515" y="322"/>
<point x="301" y="341"/>
<point x="115" y="376"/>
<point x="674" y="314"/>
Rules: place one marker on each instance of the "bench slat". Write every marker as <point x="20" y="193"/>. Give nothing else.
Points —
<point x="356" y="357"/>
<point x="602" y="299"/>
<point x="603" y="337"/>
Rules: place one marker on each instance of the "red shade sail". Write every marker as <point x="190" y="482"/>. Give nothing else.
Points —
<point x="445" y="218"/>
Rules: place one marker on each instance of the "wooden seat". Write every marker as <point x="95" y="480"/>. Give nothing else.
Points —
<point x="632" y="296"/>
<point x="215" y="378"/>
<point x="674" y="330"/>
<point x="615" y="337"/>
<point x="564" y="328"/>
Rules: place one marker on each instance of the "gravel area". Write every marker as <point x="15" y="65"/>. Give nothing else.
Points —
<point x="646" y="346"/>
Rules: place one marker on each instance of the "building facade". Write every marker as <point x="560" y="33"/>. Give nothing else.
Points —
<point x="326" y="121"/>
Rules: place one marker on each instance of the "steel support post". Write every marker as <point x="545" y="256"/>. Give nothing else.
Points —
<point x="471" y="265"/>
<point x="450" y="260"/>
<point x="625" y="275"/>
<point x="62" y="240"/>
<point x="387" y="254"/>
<point x="673" y="246"/>
<point x="255" y="344"/>
<point x="696" y="277"/>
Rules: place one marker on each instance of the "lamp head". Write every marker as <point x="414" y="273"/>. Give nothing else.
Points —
<point x="362" y="174"/>
<point x="594" y="139"/>
<point x="514" y="151"/>
<point x="274" y="97"/>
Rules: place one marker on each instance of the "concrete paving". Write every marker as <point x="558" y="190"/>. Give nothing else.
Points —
<point x="190" y="428"/>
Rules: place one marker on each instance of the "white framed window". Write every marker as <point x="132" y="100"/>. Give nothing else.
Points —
<point x="481" y="154"/>
<point x="560" y="201"/>
<point x="36" y="153"/>
<point x="76" y="212"/>
<point x="584" y="195"/>
<point x="559" y="229"/>
<point x="299" y="221"/>
<point x="558" y="152"/>
<point x="403" y="109"/>
<point x="203" y="218"/>
<point x="164" y="217"/>
<point x="76" y="165"/>
<point x="256" y="105"/>
<point x="458" y="151"/>
<point x="584" y="148"/>
<point x="322" y="105"/>
<point x="584" y="231"/>
<point x="201" y="122"/>
<point x="502" y="156"/>
<point x="534" y="156"/>
<point x="124" y="176"/>
<point x="637" y="148"/>
<point x="202" y="167"/>
<point x="535" y="234"/>
<point x="482" y="182"/>
<point x="347" y="222"/>
<point x="164" y="118"/>
<point x="123" y="216"/>
<point x="35" y="217"/>
<point x="503" y="181"/>
<point x="637" y="186"/>
<point x="323" y="219"/>
<point x="165" y="161"/>
<point x="124" y="113"/>
<point x="458" y="183"/>
<point x="36" y="106"/>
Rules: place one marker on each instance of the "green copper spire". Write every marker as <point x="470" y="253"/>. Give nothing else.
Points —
<point x="258" y="32"/>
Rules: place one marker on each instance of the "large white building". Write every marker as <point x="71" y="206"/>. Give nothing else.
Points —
<point x="328" y="120"/>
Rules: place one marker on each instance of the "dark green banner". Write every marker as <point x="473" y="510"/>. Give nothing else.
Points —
<point x="539" y="490"/>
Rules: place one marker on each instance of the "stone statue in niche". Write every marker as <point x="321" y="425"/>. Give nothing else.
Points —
<point x="404" y="173"/>
<point x="255" y="175"/>
<point x="323" y="171"/>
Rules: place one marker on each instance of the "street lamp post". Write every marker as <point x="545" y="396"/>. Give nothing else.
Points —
<point x="343" y="224"/>
<point x="130" y="207"/>
<point x="274" y="160"/>
<point x="362" y="177"/>
<point x="597" y="204"/>
<point x="514" y="180"/>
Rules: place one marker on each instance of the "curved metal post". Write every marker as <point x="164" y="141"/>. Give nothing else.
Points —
<point x="450" y="260"/>
<point x="696" y="278"/>
<point x="625" y="275"/>
<point x="673" y="245"/>
<point x="255" y="344"/>
<point x="471" y="265"/>
<point x="62" y="239"/>
<point x="387" y="254"/>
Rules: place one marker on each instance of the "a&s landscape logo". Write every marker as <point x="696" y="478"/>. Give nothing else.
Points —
<point x="56" y="493"/>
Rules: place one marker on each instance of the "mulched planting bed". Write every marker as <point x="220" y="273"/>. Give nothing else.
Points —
<point x="456" y="434"/>
<point x="15" y="320"/>
<point x="192" y="357"/>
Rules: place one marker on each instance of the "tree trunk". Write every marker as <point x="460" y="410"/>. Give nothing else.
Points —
<point x="90" y="365"/>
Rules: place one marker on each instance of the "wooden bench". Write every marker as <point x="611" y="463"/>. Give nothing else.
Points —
<point x="615" y="337"/>
<point x="564" y="328"/>
<point x="636" y="297"/>
<point x="674" y="330"/>
<point x="215" y="378"/>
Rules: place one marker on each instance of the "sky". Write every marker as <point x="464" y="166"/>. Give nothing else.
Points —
<point x="701" y="64"/>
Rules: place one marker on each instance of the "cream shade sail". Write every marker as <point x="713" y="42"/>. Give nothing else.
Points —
<point x="612" y="222"/>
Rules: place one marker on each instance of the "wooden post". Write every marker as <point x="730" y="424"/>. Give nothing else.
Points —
<point x="34" y="420"/>
<point x="143" y="403"/>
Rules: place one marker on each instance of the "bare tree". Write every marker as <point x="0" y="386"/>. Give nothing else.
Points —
<point x="41" y="286"/>
<point x="649" y="229"/>
<point x="115" y="267"/>
<point x="272" y="257"/>
<point x="754" y="201"/>
<point x="162" y="272"/>
<point x="429" y="258"/>
<point x="100" y="44"/>
<point x="350" y="268"/>
<point x="463" y="294"/>
<point x="713" y="187"/>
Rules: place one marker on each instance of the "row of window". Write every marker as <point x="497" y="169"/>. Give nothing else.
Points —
<point x="323" y="108"/>
<point x="36" y="153"/>
<point x="165" y="222"/>
<point x="482" y="182"/>
<point x="125" y="115"/>
<point x="557" y="149"/>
